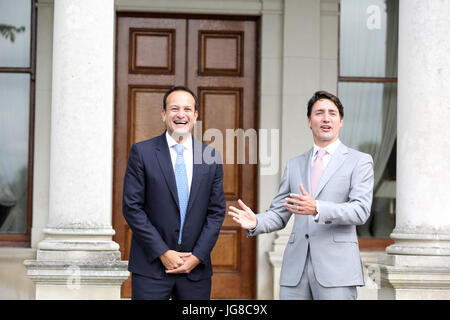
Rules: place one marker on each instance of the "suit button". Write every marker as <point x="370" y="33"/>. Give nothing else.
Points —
<point x="307" y="236"/>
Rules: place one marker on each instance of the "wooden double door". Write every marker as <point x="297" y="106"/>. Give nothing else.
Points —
<point x="217" y="58"/>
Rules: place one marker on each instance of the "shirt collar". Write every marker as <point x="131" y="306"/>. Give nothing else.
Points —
<point x="331" y="148"/>
<point x="187" y="144"/>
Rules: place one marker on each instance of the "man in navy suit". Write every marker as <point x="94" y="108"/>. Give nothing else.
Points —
<point x="174" y="204"/>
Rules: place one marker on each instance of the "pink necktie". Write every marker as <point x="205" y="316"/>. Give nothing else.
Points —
<point x="317" y="170"/>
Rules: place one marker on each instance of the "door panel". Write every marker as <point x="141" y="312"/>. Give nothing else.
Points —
<point x="221" y="111"/>
<point x="144" y="121"/>
<point x="222" y="68"/>
<point x="216" y="58"/>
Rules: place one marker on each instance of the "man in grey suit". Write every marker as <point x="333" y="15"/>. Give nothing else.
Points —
<point x="329" y="189"/>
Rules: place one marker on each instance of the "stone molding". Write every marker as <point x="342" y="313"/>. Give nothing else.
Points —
<point x="76" y="273"/>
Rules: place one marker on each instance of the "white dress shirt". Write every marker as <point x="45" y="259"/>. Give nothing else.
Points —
<point x="330" y="149"/>
<point x="187" y="155"/>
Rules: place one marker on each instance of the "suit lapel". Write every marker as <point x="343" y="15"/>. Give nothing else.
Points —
<point x="337" y="159"/>
<point x="196" y="171"/>
<point x="306" y="171"/>
<point x="165" y="162"/>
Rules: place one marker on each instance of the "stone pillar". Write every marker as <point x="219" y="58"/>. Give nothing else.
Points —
<point x="77" y="258"/>
<point x="417" y="265"/>
<point x="276" y="256"/>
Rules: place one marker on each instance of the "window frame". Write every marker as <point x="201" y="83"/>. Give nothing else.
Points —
<point x="366" y="244"/>
<point x="23" y="239"/>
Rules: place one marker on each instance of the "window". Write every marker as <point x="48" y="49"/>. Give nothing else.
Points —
<point x="17" y="72"/>
<point x="367" y="87"/>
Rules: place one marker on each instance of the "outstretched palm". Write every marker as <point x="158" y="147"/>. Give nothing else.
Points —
<point x="245" y="217"/>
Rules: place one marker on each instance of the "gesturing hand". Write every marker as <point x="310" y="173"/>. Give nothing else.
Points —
<point x="301" y="204"/>
<point x="245" y="217"/>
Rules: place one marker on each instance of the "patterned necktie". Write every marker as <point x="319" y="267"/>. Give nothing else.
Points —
<point x="317" y="170"/>
<point x="182" y="186"/>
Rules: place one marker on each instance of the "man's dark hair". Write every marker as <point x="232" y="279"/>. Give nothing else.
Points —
<point x="325" y="95"/>
<point x="180" y="88"/>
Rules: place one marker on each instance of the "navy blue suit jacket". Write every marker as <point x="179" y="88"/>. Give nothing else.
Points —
<point x="150" y="207"/>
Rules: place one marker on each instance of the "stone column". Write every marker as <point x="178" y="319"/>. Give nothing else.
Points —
<point x="77" y="258"/>
<point x="276" y="256"/>
<point x="417" y="265"/>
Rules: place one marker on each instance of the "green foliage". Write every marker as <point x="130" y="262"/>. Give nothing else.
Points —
<point x="9" y="32"/>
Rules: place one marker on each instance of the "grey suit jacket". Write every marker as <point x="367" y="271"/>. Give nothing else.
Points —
<point x="345" y="194"/>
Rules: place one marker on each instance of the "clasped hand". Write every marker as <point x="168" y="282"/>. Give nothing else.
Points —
<point x="179" y="262"/>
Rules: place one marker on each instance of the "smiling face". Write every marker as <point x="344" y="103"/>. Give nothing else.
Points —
<point x="180" y="114"/>
<point x="325" y="122"/>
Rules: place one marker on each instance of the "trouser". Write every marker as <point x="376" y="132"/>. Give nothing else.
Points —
<point x="172" y="286"/>
<point x="310" y="289"/>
